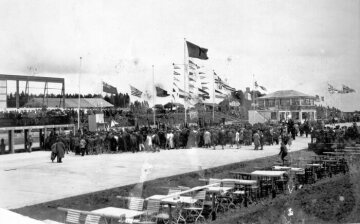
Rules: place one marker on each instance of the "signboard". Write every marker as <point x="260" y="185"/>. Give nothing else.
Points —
<point x="193" y="114"/>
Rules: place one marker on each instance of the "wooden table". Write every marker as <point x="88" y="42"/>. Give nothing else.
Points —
<point x="268" y="173"/>
<point x="215" y="191"/>
<point x="243" y="175"/>
<point x="112" y="212"/>
<point x="172" y="201"/>
<point x="272" y="174"/>
<point x="287" y="168"/>
<point x="240" y="181"/>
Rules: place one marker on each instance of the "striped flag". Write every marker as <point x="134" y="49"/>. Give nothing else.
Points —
<point x="176" y="66"/>
<point x="135" y="91"/>
<point x="176" y="79"/>
<point x="176" y="73"/>
<point x="192" y="80"/>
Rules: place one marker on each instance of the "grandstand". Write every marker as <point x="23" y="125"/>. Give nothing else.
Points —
<point x="70" y="103"/>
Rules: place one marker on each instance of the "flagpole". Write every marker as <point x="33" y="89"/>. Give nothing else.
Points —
<point x="185" y="75"/>
<point x="79" y="96"/>
<point x="154" y="95"/>
<point x="213" y="109"/>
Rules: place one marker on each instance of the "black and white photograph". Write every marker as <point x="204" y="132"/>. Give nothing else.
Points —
<point x="179" y="111"/>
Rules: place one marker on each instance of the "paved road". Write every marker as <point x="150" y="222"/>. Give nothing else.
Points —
<point x="31" y="178"/>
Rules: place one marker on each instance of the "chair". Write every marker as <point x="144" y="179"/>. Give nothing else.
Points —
<point x="136" y="204"/>
<point x="152" y="213"/>
<point x="72" y="217"/>
<point x="194" y="211"/>
<point x="227" y="199"/>
<point x="93" y="219"/>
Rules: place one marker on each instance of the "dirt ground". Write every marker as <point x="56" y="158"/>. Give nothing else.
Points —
<point x="331" y="200"/>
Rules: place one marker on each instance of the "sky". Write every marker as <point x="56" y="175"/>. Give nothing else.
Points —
<point x="300" y="45"/>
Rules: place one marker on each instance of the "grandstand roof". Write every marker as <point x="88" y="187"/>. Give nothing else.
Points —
<point x="69" y="102"/>
<point x="285" y="94"/>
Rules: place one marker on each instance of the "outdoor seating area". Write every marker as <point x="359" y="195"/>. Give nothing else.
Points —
<point x="217" y="196"/>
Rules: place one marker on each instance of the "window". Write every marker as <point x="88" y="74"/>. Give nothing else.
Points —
<point x="273" y="116"/>
<point x="285" y="102"/>
<point x="295" y="101"/>
<point x="295" y="115"/>
<point x="305" y="102"/>
<point x="270" y="103"/>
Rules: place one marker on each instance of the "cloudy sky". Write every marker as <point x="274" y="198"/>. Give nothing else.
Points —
<point x="301" y="45"/>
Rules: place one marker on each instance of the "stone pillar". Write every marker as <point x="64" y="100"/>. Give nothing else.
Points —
<point x="11" y="141"/>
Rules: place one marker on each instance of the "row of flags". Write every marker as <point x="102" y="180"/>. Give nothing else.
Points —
<point x="160" y="92"/>
<point x="345" y="89"/>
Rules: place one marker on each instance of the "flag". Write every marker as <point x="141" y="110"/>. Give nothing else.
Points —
<point x="176" y="73"/>
<point x="332" y="90"/>
<point x="161" y="92"/>
<point x="204" y="83"/>
<point x="263" y="88"/>
<point x="204" y="96"/>
<point x="192" y="80"/>
<point x="204" y="87"/>
<point x="347" y="89"/>
<point x="229" y="88"/>
<point x="192" y="67"/>
<point x="203" y="91"/>
<point x="192" y="63"/>
<point x="176" y="66"/>
<point x="201" y="73"/>
<point x="109" y="89"/>
<point x="220" y="97"/>
<point x="196" y="51"/>
<point x="202" y="77"/>
<point x="190" y="73"/>
<point x="175" y="84"/>
<point x="191" y="85"/>
<point x="176" y="79"/>
<point x="135" y="91"/>
<point x="217" y="91"/>
<point x="181" y="90"/>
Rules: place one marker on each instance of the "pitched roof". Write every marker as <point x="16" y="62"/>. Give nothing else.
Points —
<point x="69" y="102"/>
<point x="285" y="94"/>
